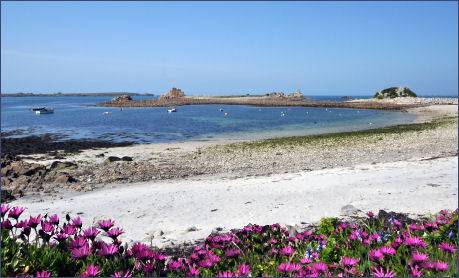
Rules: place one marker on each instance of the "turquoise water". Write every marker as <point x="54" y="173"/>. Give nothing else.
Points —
<point x="76" y="117"/>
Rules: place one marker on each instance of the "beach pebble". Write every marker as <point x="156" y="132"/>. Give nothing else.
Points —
<point x="192" y="229"/>
<point x="349" y="210"/>
<point x="112" y="159"/>
<point x="126" y="158"/>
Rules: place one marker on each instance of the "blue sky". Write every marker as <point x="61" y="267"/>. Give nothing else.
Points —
<point x="347" y="48"/>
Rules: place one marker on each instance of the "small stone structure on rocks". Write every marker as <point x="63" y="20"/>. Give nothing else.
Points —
<point x="173" y="94"/>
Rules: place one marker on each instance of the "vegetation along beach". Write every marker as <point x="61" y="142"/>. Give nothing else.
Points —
<point x="229" y="139"/>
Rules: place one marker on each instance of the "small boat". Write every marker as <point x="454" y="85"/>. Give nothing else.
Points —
<point x="226" y="114"/>
<point x="44" y="111"/>
<point x="107" y="113"/>
<point x="221" y="109"/>
<point x="37" y="108"/>
<point x="172" y="110"/>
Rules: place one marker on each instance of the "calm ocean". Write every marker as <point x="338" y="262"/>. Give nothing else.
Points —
<point x="76" y="117"/>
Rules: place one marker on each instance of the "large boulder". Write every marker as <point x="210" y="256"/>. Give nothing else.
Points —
<point x="61" y="165"/>
<point x="63" y="178"/>
<point x="394" y="92"/>
<point x="173" y="93"/>
<point x="122" y="98"/>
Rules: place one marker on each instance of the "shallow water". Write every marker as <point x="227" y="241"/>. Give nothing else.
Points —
<point x="76" y="117"/>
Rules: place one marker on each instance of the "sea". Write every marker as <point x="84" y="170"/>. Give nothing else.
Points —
<point x="77" y="117"/>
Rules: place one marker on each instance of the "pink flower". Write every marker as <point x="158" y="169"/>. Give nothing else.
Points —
<point x="415" y="241"/>
<point x="91" y="233"/>
<point x="427" y="265"/>
<point x="288" y="267"/>
<point x="115" y="232"/>
<point x="69" y="229"/>
<point x="15" y="212"/>
<point x="91" y="271"/>
<point x="43" y="274"/>
<point x="287" y="251"/>
<point x="78" y="242"/>
<point x="380" y="272"/>
<point x="441" y="266"/>
<point x="22" y="224"/>
<point x="233" y="252"/>
<point x="54" y="219"/>
<point x="447" y="247"/>
<point x="370" y="214"/>
<point x="77" y="222"/>
<point x="6" y="224"/>
<point x="320" y="267"/>
<point x="121" y="274"/>
<point x="206" y="263"/>
<point x="225" y="274"/>
<point x="375" y="255"/>
<point x="243" y="270"/>
<point x="106" y="224"/>
<point x="431" y="225"/>
<point x="305" y="260"/>
<point x="47" y="227"/>
<point x="193" y="272"/>
<point x="415" y="227"/>
<point x="175" y="265"/>
<point x="34" y="221"/>
<point x="444" y="212"/>
<point x="81" y="252"/>
<point x="375" y="237"/>
<point x="415" y="271"/>
<point x="4" y="209"/>
<point x="148" y="267"/>
<point x="142" y="252"/>
<point x="397" y="242"/>
<point x="61" y="237"/>
<point x="419" y="257"/>
<point x="349" y="262"/>
<point x="108" y="250"/>
<point x="386" y="250"/>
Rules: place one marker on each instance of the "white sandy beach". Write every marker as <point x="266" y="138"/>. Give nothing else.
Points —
<point x="144" y="209"/>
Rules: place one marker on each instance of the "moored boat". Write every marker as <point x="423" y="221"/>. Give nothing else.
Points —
<point x="44" y="111"/>
<point x="37" y="108"/>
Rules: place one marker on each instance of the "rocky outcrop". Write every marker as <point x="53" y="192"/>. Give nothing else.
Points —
<point x="122" y="98"/>
<point x="18" y="176"/>
<point x="174" y="93"/>
<point x="394" y="92"/>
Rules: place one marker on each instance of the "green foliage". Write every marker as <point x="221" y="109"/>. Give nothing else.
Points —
<point x="262" y="248"/>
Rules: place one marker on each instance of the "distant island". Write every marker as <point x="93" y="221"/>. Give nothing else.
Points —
<point x="107" y="94"/>
<point x="176" y="97"/>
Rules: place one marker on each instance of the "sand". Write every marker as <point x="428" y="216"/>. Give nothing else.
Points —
<point x="188" y="210"/>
